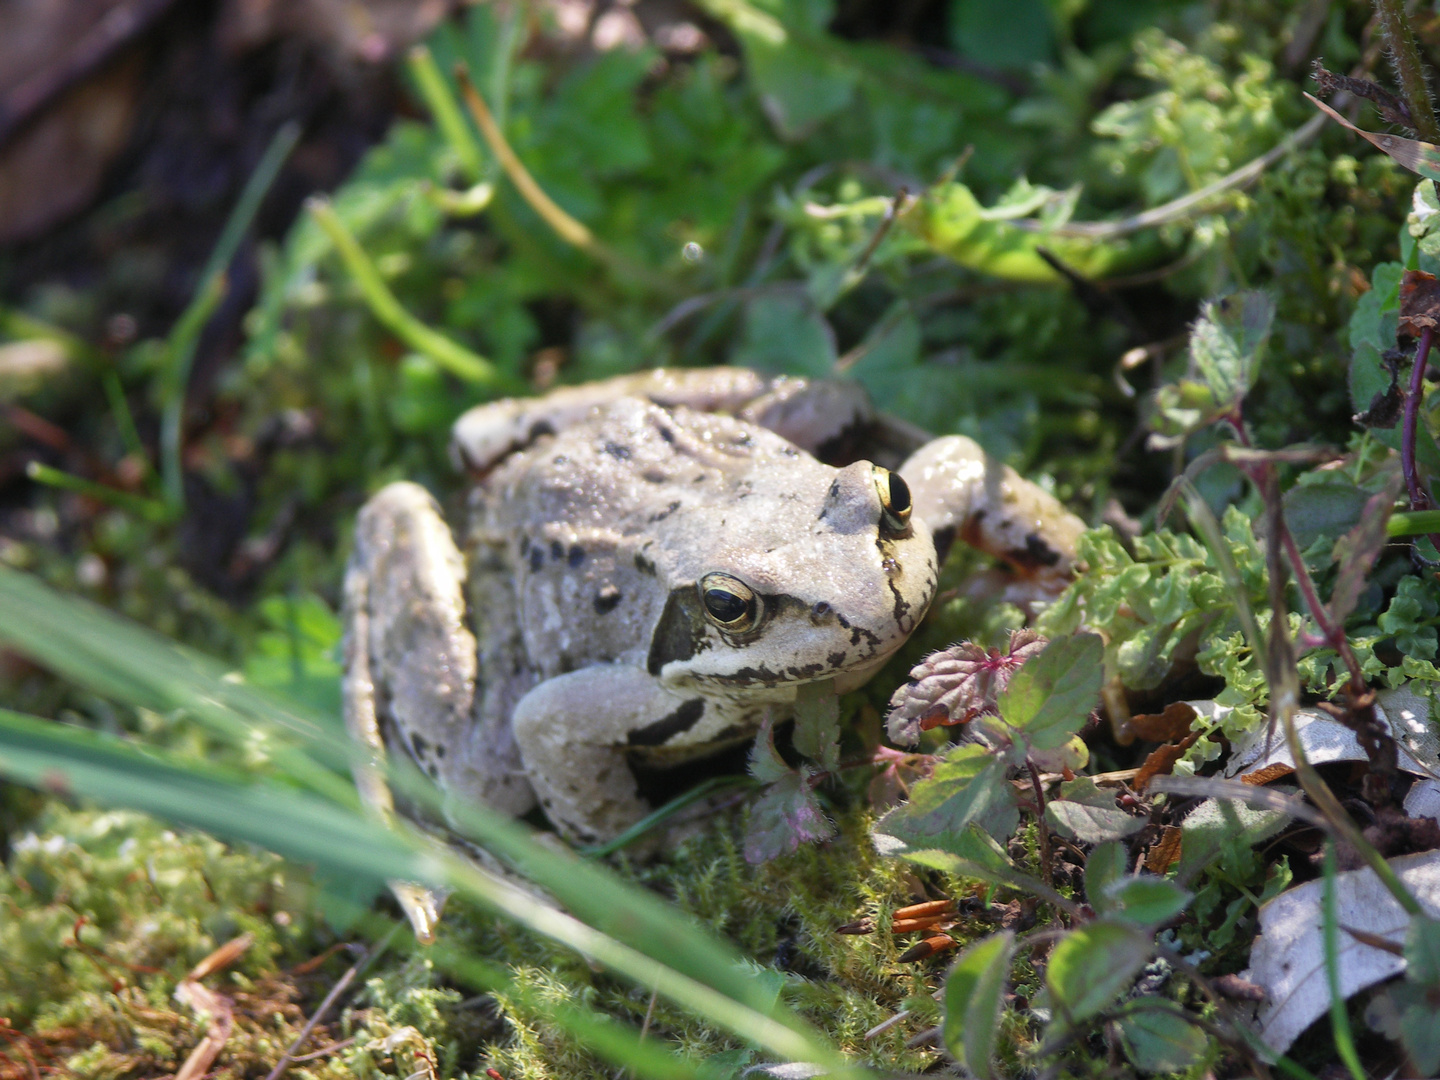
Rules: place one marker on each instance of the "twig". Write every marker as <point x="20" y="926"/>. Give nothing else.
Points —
<point x="335" y="991"/>
<point x="1177" y="208"/>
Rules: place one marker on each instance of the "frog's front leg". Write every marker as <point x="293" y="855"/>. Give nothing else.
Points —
<point x="410" y="667"/>
<point x="574" y="731"/>
<point x="962" y="493"/>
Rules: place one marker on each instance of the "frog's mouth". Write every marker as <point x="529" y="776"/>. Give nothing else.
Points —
<point x="797" y="642"/>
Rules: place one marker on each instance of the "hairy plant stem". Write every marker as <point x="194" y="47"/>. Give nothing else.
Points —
<point x="1262" y="475"/>
<point x="1414" y="87"/>
<point x="1409" y="428"/>
<point x="1047" y="862"/>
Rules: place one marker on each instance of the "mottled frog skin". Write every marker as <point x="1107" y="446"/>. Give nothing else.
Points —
<point x="647" y="565"/>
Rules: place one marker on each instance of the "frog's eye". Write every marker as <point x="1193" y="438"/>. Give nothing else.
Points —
<point x="729" y="603"/>
<point x="894" y="501"/>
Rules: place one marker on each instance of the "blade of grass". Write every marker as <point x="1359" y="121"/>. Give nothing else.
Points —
<point x="68" y="760"/>
<point x="139" y="505"/>
<point x="117" y="659"/>
<point x="1412" y="523"/>
<point x="446" y="110"/>
<point x="388" y="311"/>
<point x="75" y="761"/>
<point x="180" y="346"/>
<point x="1339" y="1017"/>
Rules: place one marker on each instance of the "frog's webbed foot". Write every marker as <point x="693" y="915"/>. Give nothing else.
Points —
<point x="410" y="662"/>
<point x="962" y="493"/>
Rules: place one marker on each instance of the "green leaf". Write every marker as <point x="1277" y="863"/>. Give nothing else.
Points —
<point x="967" y="788"/>
<point x="1158" y="1040"/>
<point x="973" y="853"/>
<point x="974" y="993"/>
<point x="1107" y="864"/>
<point x="1052" y="695"/>
<point x="1422" y="951"/>
<point x="1145" y="900"/>
<point x="1087" y="812"/>
<point x="1217" y="824"/>
<point x="1014" y="35"/>
<point x="785" y="335"/>
<point x="817" y="723"/>
<point x="1092" y="966"/>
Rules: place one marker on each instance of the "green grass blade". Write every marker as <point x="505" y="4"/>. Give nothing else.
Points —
<point x="76" y="761"/>
<point x="180" y="348"/>
<point x="117" y="659"/>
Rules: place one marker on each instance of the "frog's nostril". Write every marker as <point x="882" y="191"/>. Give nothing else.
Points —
<point x="820" y="610"/>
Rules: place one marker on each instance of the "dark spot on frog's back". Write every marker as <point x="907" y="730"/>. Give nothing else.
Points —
<point x="607" y="599"/>
<point x="644" y="565"/>
<point x="557" y="550"/>
<point x="537" y="559"/>
<point x="576" y="556"/>
<point x="663" y="514"/>
<point x="836" y="659"/>
<point x="667" y="727"/>
<point x="618" y="451"/>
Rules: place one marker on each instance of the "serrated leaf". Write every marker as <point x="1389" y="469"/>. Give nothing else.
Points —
<point x="973" y="853"/>
<point x="817" y="723"/>
<point x="1145" y="900"/>
<point x="1158" y="1040"/>
<point x="1052" y="695"/>
<point x="766" y="764"/>
<point x="786" y="815"/>
<point x="1092" y="966"/>
<point x="974" y="993"/>
<point x="967" y="788"/>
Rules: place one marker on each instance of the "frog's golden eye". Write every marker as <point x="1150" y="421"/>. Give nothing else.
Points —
<point x="729" y="603"/>
<point x="894" y="502"/>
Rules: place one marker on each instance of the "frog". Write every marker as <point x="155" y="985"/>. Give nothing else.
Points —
<point x="647" y="568"/>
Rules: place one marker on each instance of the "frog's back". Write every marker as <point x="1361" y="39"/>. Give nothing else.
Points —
<point x="597" y="523"/>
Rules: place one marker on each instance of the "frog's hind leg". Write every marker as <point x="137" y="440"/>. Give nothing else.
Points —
<point x="410" y="663"/>
<point x="962" y="493"/>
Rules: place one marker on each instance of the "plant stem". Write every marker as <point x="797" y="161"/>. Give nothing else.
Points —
<point x="446" y="111"/>
<point x="388" y="311"/>
<point x="1047" y="865"/>
<point x="1405" y="57"/>
<point x="1409" y="430"/>
<point x="149" y="509"/>
<point x="180" y="347"/>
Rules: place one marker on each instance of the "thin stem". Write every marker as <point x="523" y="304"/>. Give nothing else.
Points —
<point x="391" y="314"/>
<point x="1405" y="57"/>
<point x="149" y="509"/>
<point x="1409" y="429"/>
<point x="180" y="347"/>
<point x="573" y="232"/>
<point x="1047" y="864"/>
<point x="446" y="111"/>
